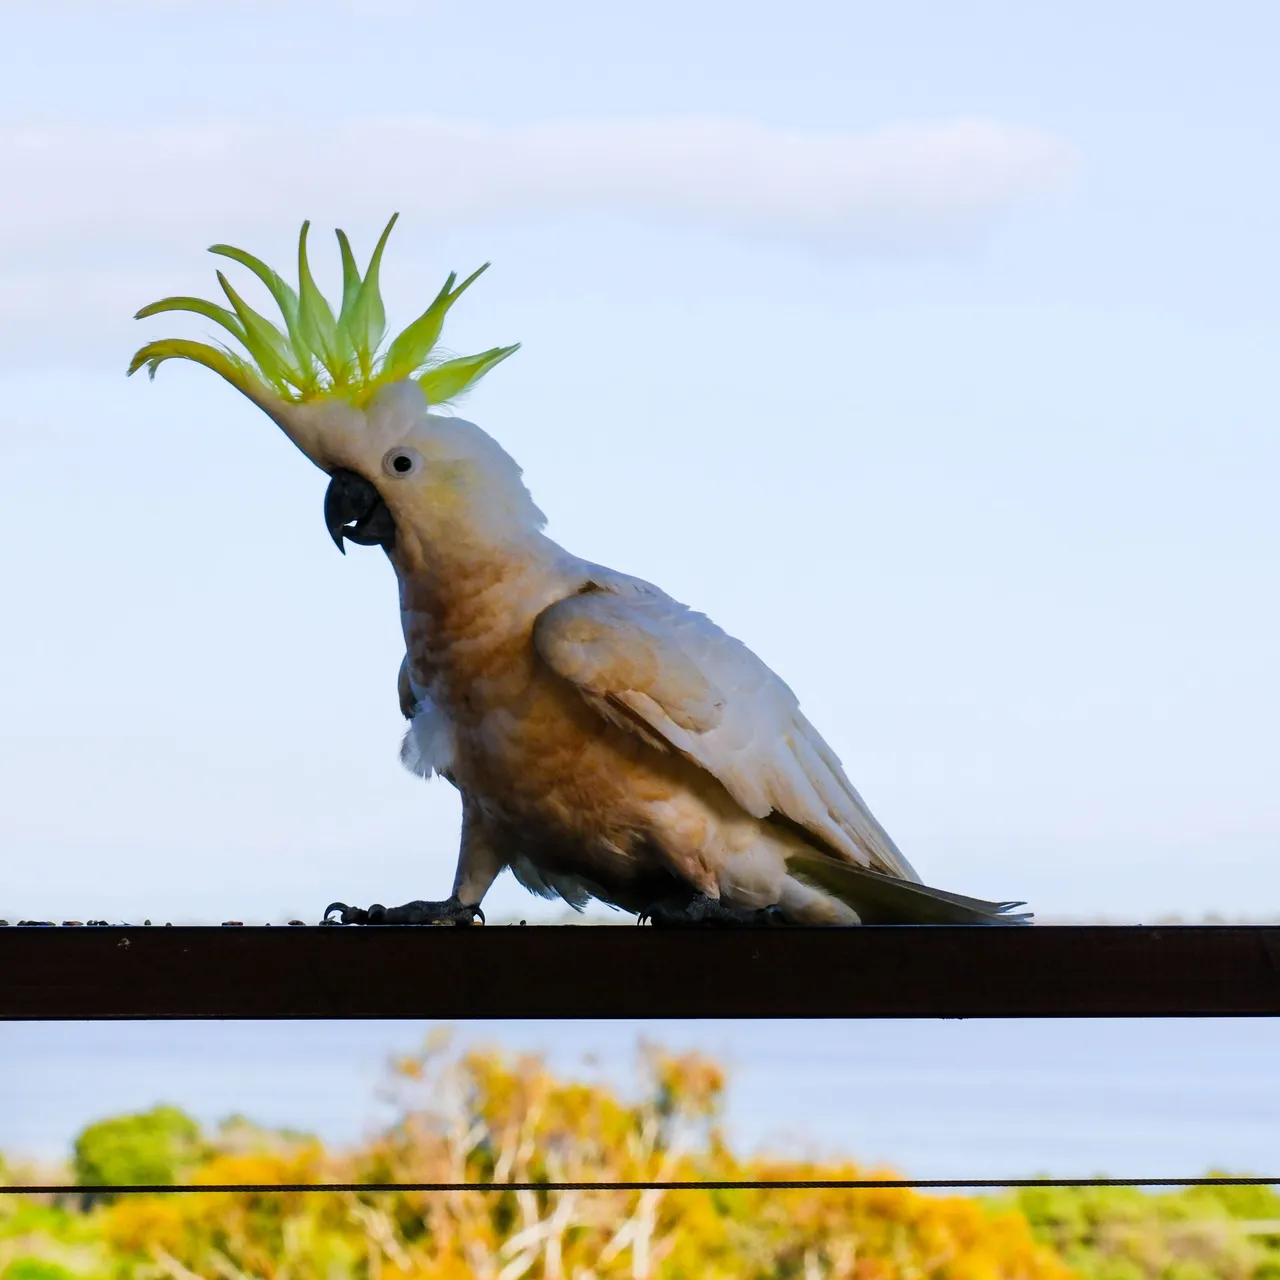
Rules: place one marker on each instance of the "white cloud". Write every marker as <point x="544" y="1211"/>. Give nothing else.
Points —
<point x="96" y="218"/>
<point x="910" y="188"/>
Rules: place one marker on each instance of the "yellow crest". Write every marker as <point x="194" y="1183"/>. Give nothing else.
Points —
<point x="318" y="354"/>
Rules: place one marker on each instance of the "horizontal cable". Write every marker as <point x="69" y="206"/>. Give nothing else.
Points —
<point x="719" y="1184"/>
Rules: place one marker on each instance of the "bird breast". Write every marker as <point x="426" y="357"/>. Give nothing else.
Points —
<point x="520" y="740"/>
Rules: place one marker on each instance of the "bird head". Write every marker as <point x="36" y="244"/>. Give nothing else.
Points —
<point x="358" y="409"/>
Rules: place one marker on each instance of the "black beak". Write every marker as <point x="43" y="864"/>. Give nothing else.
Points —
<point x="354" y="509"/>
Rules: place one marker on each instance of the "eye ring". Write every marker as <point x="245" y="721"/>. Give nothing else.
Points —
<point x="401" y="462"/>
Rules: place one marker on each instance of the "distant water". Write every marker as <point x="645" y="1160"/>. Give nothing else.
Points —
<point x="1162" y="1098"/>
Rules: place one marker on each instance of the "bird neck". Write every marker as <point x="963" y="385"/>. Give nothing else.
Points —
<point x="477" y="592"/>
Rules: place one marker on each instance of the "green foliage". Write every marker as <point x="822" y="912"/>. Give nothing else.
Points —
<point x="35" y="1269"/>
<point x="150" y="1149"/>
<point x="1122" y="1233"/>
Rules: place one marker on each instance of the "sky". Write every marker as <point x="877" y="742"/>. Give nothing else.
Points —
<point x="929" y="349"/>
<point x="953" y="1099"/>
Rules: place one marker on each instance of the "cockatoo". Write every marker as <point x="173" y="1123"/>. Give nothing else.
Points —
<point x="607" y="741"/>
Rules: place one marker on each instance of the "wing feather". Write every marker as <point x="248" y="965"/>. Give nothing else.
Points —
<point x="656" y="667"/>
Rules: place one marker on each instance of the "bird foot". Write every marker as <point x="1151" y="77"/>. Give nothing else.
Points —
<point x="450" y="911"/>
<point x="701" y="912"/>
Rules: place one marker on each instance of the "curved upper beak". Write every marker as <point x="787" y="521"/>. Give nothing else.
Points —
<point x="354" y="509"/>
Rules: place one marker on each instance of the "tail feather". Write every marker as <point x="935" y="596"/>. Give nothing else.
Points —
<point x="881" y="899"/>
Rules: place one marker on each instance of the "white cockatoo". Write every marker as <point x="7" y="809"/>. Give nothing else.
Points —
<point x="607" y="741"/>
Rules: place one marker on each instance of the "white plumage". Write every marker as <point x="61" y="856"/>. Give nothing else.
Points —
<point x="606" y="739"/>
<point x="642" y="656"/>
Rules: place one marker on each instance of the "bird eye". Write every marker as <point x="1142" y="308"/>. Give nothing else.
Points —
<point x="401" y="462"/>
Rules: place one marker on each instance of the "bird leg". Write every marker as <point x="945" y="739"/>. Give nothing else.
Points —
<point x="698" y="911"/>
<point x="450" y="911"/>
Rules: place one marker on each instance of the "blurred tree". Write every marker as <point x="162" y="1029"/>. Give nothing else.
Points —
<point x="150" y="1148"/>
<point x="483" y="1117"/>
<point x="35" y="1269"/>
<point x="1122" y="1233"/>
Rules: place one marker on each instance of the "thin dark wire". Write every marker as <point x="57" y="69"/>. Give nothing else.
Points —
<point x="745" y="1184"/>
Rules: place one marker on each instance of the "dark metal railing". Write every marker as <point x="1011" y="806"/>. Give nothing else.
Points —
<point x="158" y="972"/>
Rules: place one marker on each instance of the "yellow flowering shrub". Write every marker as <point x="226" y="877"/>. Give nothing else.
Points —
<point x="486" y="1117"/>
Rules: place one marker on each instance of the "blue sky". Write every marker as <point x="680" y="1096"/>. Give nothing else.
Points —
<point x="955" y="1099"/>
<point x="929" y="349"/>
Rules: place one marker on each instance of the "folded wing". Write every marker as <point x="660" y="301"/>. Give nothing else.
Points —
<point x="672" y="676"/>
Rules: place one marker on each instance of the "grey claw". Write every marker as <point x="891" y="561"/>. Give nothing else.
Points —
<point x="347" y="915"/>
<point x="450" y="911"/>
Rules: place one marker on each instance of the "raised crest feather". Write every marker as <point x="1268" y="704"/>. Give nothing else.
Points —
<point x="318" y="355"/>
